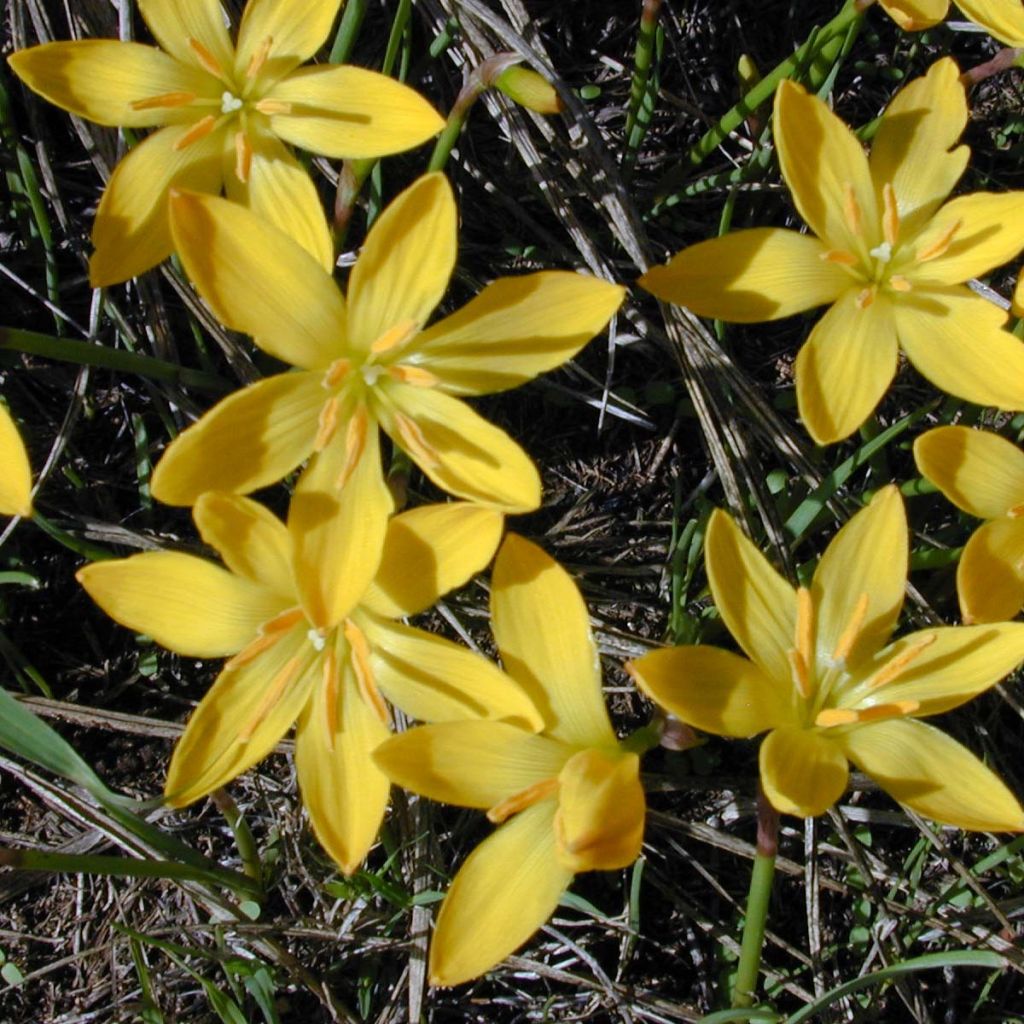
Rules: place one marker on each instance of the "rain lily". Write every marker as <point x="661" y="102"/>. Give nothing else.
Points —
<point x="284" y="668"/>
<point x="830" y="686"/>
<point x="15" y="472"/>
<point x="362" y="363"/>
<point x="225" y="111"/>
<point x="886" y="253"/>
<point x="567" y="799"/>
<point x="983" y="474"/>
<point x="915" y="15"/>
<point x="1003" y="19"/>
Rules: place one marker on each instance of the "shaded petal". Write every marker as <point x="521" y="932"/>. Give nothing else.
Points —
<point x="250" y="439"/>
<point x="427" y="552"/>
<point x="470" y="763"/>
<point x="351" y="113"/>
<point x="296" y="28"/>
<point x="845" y="366"/>
<point x="132" y="232"/>
<point x="867" y="558"/>
<point x="757" y="605"/>
<point x="822" y="161"/>
<point x="15" y="472"/>
<point x="100" y="79"/>
<point x="404" y="266"/>
<point x="989" y="577"/>
<point x="173" y="23"/>
<point x="543" y="633"/>
<point x="980" y="472"/>
<point x="516" y="329"/>
<point x="929" y="771"/>
<point x="956" y="340"/>
<point x="258" y="281"/>
<point x="186" y="604"/>
<point x="508" y="887"/>
<point x="913" y="149"/>
<point x="253" y="542"/>
<point x="1004" y="21"/>
<point x="751" y="275"/>
<point x="802" y="773"/>
<point x="915" y="15"/>
<point x="714" y="690"/>
<point x="435" y="680"/>
<point x="242" y="718"/>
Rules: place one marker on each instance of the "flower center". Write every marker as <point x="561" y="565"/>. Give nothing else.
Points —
<point x="229" y="102"/>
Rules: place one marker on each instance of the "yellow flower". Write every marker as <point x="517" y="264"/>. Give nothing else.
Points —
<point x="1003" y="19"/>
<point x="225" y="111"/>
<point x="830" y="685"/>
<point x="567" y="799"/>
<point x="283" y="668"/>
<point x="15" y="472"/>
<point x="915" y="15"/>
<point x="363" y="363"/>
<point x="888" y="255"/>
<point x="983" y="474"/>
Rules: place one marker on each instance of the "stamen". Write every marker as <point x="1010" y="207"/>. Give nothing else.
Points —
<point x="271" y="107"/>
<point x="327" y="423"/>
<point x="801" y="673"/>
<point x="414" y="442"/>
<point x="336" y="373"/>
<point x="198" y="131"/>
<point x="829" y="718"/>
<point x="205" y="58"/>
<point x="891" y="215"/>
<point x="395" y="337"/>
<point x="940" y="245"/>
<point x="275" y="691"/>
<point x="360" y="661"/>
<point x="504" y="809"/>
<point x="416" y="376"/>
<point x="355" y="444"/>
<point x="259" y="58"/>
<point x="840" y="256"/>
<point x="266" y="636"/>
<point x="851" y="208"/>
<point x="229" y="102"/>
<point x="1015" y="512"/>
<point x="865" y="298"/>
<point x="166" y="99"/>
<point x="849" y="635"/>
<point x="898" y="283"/>
<point x="895" y="668"/>
<point x="804" y="637"/>
<point x="243" y="156"/>
<point x="330" y="685"/>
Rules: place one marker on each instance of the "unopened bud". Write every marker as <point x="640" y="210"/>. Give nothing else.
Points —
<point x="529" y="90"/>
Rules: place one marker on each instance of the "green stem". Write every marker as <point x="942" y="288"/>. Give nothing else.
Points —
<point x="348" y="31"/>
<point x="647" y="737"/>
<point x="641" y="100"/>
<point x="244" y="839"/>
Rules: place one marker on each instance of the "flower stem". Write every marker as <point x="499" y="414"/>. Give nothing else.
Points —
<point x="757" y="902"/>
<point x="1006" y="58"/>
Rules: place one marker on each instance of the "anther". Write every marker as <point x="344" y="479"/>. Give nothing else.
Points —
<point x="395" y="337"/>
<point x="849" y="635"/>
<point x="840" y="256"/>
<point x="415" y="376"/>
<point x="166" y="99"/>
<point x="275" y="691"/>
<point x="198" y="131"/>
<point x="936" y="248"/>
<point x="355" y="445"/>
<point x="267" y="635"/>
<point x="414" y="442"/>
<point x="327" y="423"/>
<point x="898" y="283"/>
<point x="243" y="156"/>
<point x="804" y="635"/>
<point x="270" y="107"/>
<point x="336" y="373"/>
<point x="851" y="208"/>
<point x="205" y="58"/>
<point x="1015" y="512"/>
<point x="865" y="298"/>
<point x="259" y="58"/>
<point x="829" y="718"/>
<point x="891" y="215"/>
<point x="504" y="809"/>
<point x="801" y="673"/>
<point x="895" y="668"/>
<point x="359" y="649"/>
<point x="329" y="681"/>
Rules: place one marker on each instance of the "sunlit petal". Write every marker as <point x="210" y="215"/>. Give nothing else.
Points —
<point x="915" y="15"/>
<point x="296" y="28"/>
<point x="174" y="23"/>
<point x="802" y="772"/>
<point x="15" y="472"/>
<point x="990" y="574"/>
<point x="1005" y="21"/>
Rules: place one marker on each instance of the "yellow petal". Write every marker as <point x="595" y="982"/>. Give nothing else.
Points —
<point x="1003" y="20"/>
<point x="913" y="150"/>
<point x="752" y="275"/>
<point x="516" y="329"/>
<point x="956" y="340"/>
<point x="187" y="604"/>
<point x="404" y="266"/>
<point x="757" y="605"/>
<point x="297" y="28"/>
<point x="543" y="633"/>
<point x="600" y="820"/>
<point x="1017" y="303"/>
<point x="435" y="680"/>
<point x="929" y="771"/>
<point x="242" y="718"/>
<point x="174" y="23"/>
<point x="508" y="887"/>
<point x="344" y="792"/>
<point x="250" y="439"/>
<point x="915" y="15"/>
<point x="131" y="232"/>
<point x="338" y="533"/>
<point x="259" y="281"/>
<point x="989" y="577"/>
<point x="15" y="472"/>
<point x="471" y="763"/>
<point x="458" y="449"/>
<point x="101" y="79"/>
<point x="826" y="169"/>
<point x="253" y="542"/>
<point x="802" y="772"/>
<point x="866" y="559"/>
<point x="845" y="366"/>
<point x="429" y="551"/>
<point x="348" y="112"/>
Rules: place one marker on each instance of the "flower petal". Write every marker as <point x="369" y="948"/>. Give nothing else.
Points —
<point x="802" y="773"/>
<point x="989" y="581"/>
<point x="257" y="280"/>
<point x="757" y="605"/>
<point x="1004" y="21"/>
<point x="543" y="633"/>
<point x="174" y="23"/>
<point x="351" y="113"/>
<point x="516" y="329"/>
<point x="956" y="340"/>
<point x="845" y="366"/>
<point x="427" y="552"/>
<point x="915" y="15"/>
<point x="929" y="771"/>
<point x="751" y="275"/>
<point x="186" y="604"/>
<point x="714" y="690"/>
<point x="250" y="439"/>
<point x="296" y="28"/>
<point x="508" y="887"/>
<point x="132" y="232"/>
<point x="405" y="263"/>
<point x="15" y="472"/>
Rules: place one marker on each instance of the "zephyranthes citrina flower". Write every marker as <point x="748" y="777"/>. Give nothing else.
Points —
<point x="365" y="363"/>
<point x="888" y="255"/>
<point x="983" y="474"/>
<point x="915" y="15"/>
<point x="284" y="668"/>
<point x="225" y="111"/>
<point x="1002" y="19"/>
<point x="15" y="472"/>
<point x="829" y="684"/>
<point x="566" y="800"/>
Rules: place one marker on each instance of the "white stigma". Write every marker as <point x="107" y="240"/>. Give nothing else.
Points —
<point x="371" y="373"/>
<point x="317" y="639"/>
<point x="229" y="103"/>
<point x="882" y="252"/>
